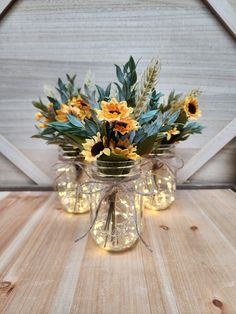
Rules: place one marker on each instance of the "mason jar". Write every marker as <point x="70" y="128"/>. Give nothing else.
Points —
<point x="116" y="204"/>
<point x="161" y="177"/>
<point x="70" y="174"/>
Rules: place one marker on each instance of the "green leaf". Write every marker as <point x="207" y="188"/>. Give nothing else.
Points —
<point x="119" y="74"/>
<point x="173" y="117"/>
<point x="64" y="97"/>
<point x="91" y="127"/>
<point x="101" y="92"/>
<point x="40" y="105"/>
<point x="60" y="126"/>
<point x="148" y="116"/>
<point x="145" y="146"/>
<point x="108" y="90"/>
<point x="73" y="120"/>
<point x="133" y="78"/>
<point x="120" y="93"/>
<point x="55" y="102"/>
<point x="132" y="65"/>
<point x="71" y="79"/>
<point x="61" y="85"/>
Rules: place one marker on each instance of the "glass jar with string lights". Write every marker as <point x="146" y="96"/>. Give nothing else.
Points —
<point x="70" y="173"/>
<point x="116" y="204"/>
<point x="162" y="166"/>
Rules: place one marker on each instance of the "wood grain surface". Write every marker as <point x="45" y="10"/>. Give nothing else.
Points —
<point x="192" y="268"/>
<point x="41" y="40"/>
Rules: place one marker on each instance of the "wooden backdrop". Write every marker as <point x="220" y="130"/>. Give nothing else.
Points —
<point x="43" y="39"/>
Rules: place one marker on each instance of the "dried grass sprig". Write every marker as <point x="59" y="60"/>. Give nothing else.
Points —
<point x="148" y="82"/>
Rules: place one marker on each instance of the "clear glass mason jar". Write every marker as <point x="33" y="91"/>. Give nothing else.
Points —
<point x="69" y="176"/>
<point x="116" y="204"/>
<point x="161" y="177"/>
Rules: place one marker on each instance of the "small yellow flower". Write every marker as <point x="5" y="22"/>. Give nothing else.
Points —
<point x="126" y="125"/>
<point x="125" y="149"/>
<point x="65" y="110"/>
<point x="38" y="116"/>
<point x="169" y="133"/>
<point x="42" y="126"/>
<point x="114" y="110"/>
<point x="95" y="148"/>
<point x="191" y="107"/>
<point x="83" y="106"/>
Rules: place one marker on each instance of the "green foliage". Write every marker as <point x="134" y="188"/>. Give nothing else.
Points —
<point x="104" y="94"/>
<point x="127" y="77"/>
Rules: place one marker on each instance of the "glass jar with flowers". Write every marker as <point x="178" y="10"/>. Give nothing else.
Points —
<point x="164" y="163"/>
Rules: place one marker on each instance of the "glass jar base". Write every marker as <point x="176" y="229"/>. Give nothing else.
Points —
<point x="117" y="240"/>
<point x="154" y="203"/>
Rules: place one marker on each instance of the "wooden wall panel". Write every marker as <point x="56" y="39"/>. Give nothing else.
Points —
<point x="41" y="40"/>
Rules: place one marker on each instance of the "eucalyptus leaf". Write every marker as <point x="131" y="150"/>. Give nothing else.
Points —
<point x="76" y="122"/>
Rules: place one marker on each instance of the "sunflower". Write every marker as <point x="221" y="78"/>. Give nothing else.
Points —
<point x="95" y="148"/>
<point x="44" y="124"/>
<point x="65" y="110"/>
<point x="38" y="116"/>
<point x="82" y="105"/>
<point x="125" y="149"/>
<point x="126" y="125"/>
<point x="44" y="121"/>
<point x="169" y="133"/>
<point x="191" y="107"/>
<point x="114" y="110"/>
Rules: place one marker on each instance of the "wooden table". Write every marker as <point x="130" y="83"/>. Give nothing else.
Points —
<point x="192" y="268"/>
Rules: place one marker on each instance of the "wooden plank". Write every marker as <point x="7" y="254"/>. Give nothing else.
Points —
<point x="24" y="234"/>
<point x="225" y="12"/>
<point x="197" y="271"/>
<point x="22" y="207"/>
<point x="217" y="207"/>
<point x="191" y="270"/>
<point x="208" y="151"/>
<point x="23" y="163"/>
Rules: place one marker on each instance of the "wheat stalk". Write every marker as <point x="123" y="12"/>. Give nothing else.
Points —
<point x="148" y="82"/>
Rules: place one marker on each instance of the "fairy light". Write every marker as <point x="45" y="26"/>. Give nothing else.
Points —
<point x="164" y="193"/>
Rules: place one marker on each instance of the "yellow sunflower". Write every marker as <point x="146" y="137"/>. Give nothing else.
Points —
<point x="44" y="121"/>
<point x="38" y="116"/>
<point x="44" y="125"/>
<point x="95" y="148"/>
<point x="169" y="133"/>
<point x="114" y="110"/>
<point x="191" y="107"/>
<point x="125" y="149"/>
<point x="126" y="125"/>
<point x="83" y="106"/>
<point x="65" y="110"/>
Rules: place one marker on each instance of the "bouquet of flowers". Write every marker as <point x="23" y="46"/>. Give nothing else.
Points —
<point x="122" y="124"/>
<point x="114" y="127"/>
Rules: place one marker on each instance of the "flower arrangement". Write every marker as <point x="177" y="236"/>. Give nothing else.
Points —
<point x="105" y="124"/>
<point x="114" y="127"/>
<point x="122" y="124"/>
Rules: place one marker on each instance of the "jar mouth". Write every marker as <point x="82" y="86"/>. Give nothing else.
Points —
<point x="116" y="170"/>
<point x="162" y="150"/>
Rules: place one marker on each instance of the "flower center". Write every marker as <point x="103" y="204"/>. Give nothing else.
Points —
<point x="121" y="147"/>
<point x="97" y="148"/>
<point x="84" y="105"/>
<point x="114" y="111"/>
<point x="123" y="124"/>
<point x="192" y="108"/>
